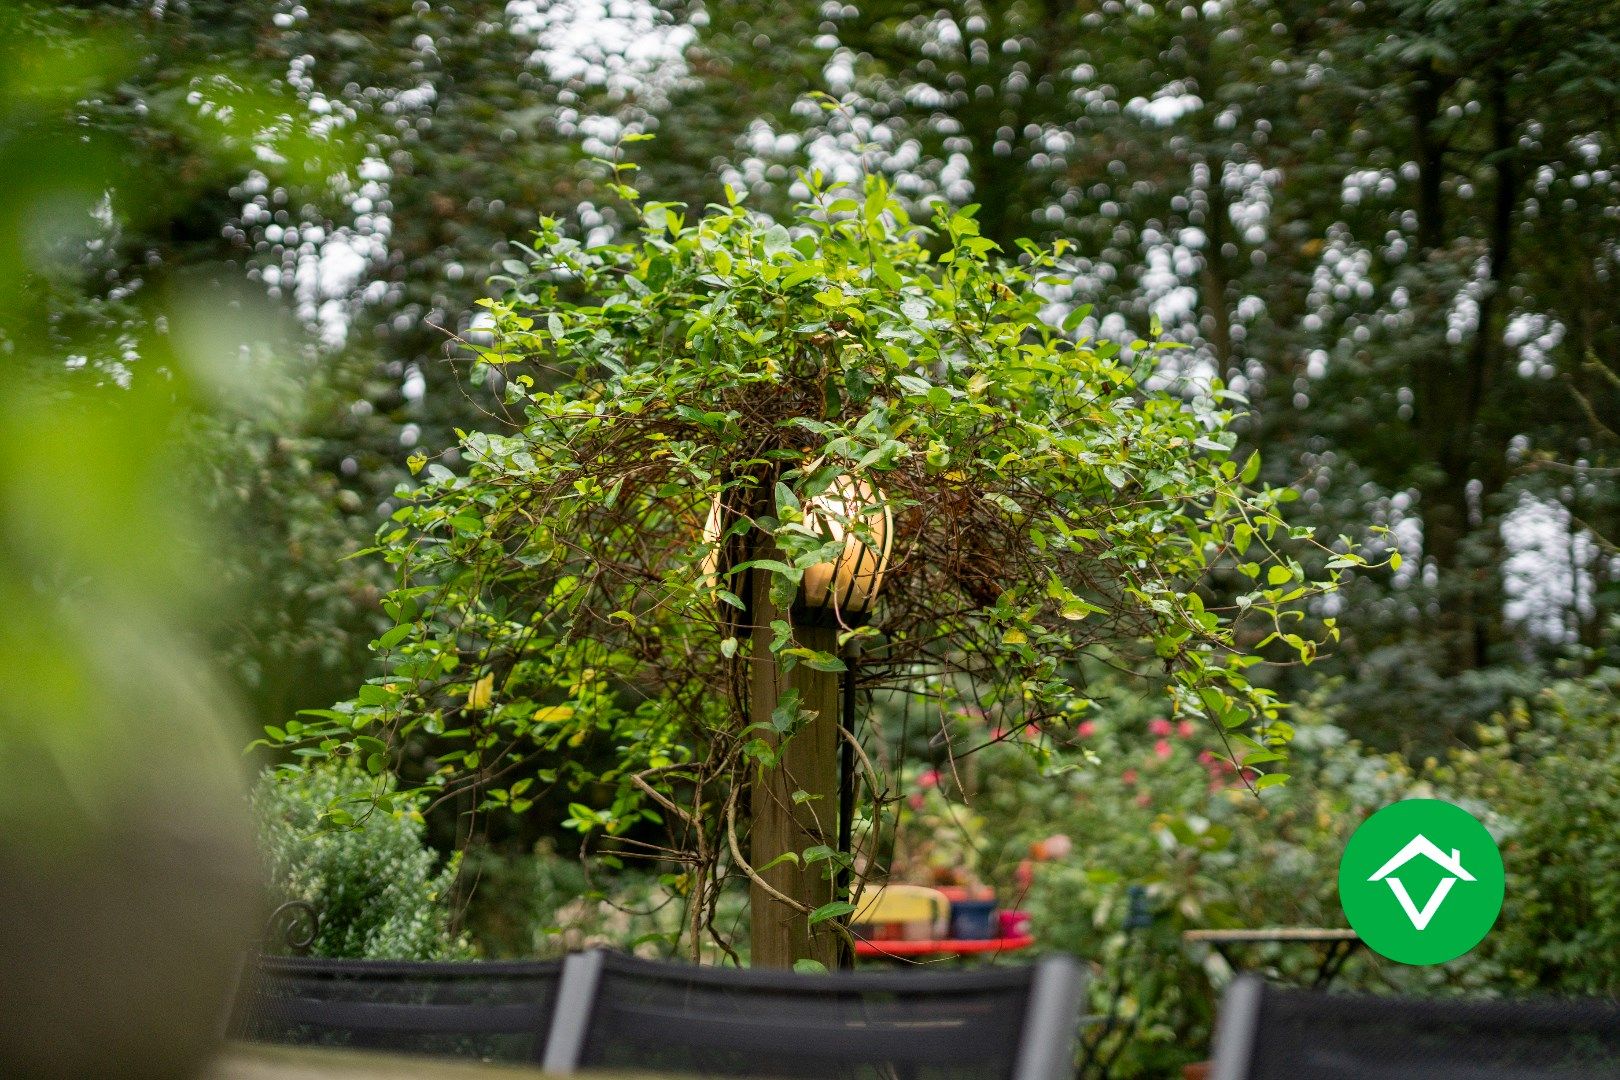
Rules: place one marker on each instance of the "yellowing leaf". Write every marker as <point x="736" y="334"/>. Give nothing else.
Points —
<point x="553" y="714"/>
<point x="478" y="697"/>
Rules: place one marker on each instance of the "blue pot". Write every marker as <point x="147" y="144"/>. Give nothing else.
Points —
<point x="973" y="920"/>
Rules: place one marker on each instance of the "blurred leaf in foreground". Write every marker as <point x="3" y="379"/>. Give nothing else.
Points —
<point x="126" y="875"/>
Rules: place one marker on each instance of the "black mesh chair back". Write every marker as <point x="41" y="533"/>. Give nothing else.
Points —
<point x="488" y="1011"/>
<point x="617" y="1012"/>
<point x="1267" y="1033"/>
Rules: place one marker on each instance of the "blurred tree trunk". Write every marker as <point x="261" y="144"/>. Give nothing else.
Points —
<point x="1468" y="459"/>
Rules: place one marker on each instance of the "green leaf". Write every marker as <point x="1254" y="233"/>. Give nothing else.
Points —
<point x="781" y="860"/>
<point x="777" y="241"/>
<point x="834" y="910"/>
<point x="1073" y="319"/>
<point x="785" y="717"/>
<point x="821" y="661"/>
<point x="800" y="274"/>
<point x="394" y="637"/>
<point x="372" y="694"/>
<point x="823" y="853"/>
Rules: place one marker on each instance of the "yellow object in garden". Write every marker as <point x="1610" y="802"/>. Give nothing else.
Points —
<point x="904" y="904"/>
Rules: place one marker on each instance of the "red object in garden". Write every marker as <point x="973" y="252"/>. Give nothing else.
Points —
<point x="1014" y="924"/>
<point x="943" y="947"/>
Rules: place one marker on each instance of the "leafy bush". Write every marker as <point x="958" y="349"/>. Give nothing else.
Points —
<point x="1208" y="853"/>
<point x="516" y="902"/>
<point x="1546" y="779"/>
<point x="546" y="904"/>
<point x="378" y="888"/>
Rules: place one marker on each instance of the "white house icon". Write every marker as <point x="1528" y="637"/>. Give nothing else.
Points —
<point x="1421" y="845"/>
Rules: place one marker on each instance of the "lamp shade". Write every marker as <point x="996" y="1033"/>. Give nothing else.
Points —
<point x="850" y="583"/>
<point x="847" y="586"/>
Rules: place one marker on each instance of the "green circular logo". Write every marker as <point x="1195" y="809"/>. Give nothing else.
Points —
<point x="1421" y="881"/>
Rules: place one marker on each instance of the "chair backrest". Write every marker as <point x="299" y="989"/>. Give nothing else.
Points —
<point x="1268" y="1033"/>
<point x="489" y="1011"/>
<point x="1002" y="1023"/>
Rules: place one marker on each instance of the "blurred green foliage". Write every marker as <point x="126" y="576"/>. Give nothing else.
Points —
<point x="130" y="312"/>
<point x="547" y="902"/>
<point x="1543" y="778"/>
<point x="101" y="529"/>
<point x="125" y="854"/>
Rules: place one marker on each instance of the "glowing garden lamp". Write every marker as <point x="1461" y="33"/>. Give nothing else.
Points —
<point x="841" y="591"/>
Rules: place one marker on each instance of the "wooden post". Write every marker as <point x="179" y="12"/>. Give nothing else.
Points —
<point x="809" y="764"/>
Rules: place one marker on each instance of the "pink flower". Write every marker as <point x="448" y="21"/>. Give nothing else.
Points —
<point x="1025" y="874"/>
<point x="917" y="802"/>
<point x="1185" y="729"/>
<point x="1087" y="728"/>
<point x="1159" y="726"/>
<point x="1161" y="749"/>
<point x="1144" y="799"/>
<point x="1206" y="756"/>
<point x="1129" y="776"/>
<point x="1058" y="846"/>
<point x="929" y="779"/>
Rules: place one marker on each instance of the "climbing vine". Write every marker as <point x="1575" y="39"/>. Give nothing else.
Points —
<point x="554" y="620"/>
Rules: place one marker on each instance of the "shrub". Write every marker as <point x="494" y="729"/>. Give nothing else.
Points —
<point x="546" y="904"/>
<point x="1139" y="804"/>
<point x="1546" y="780"/>
<point x="377" y="886"/>
<point x="1207" y="853"/>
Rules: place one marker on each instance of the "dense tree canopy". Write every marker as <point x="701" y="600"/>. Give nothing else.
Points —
<point x="1390" y="225"/>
